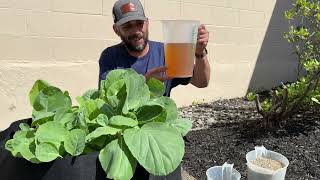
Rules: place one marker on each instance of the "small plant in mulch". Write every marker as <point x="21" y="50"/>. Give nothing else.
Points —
<point x="128" y="121"/>
<point x="304" y="35"/>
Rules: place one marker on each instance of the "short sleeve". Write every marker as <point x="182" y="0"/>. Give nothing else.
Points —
<point x="180" y="81"/>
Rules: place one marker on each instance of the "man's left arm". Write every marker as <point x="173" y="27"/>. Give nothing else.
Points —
<point x="201" y="71"/>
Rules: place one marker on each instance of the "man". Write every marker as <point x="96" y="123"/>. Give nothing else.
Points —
<point x="147" y="57"/>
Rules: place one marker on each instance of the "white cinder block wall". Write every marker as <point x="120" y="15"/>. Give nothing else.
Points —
<point x="61" y="40"/>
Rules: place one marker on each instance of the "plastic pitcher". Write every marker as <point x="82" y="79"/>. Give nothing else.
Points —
<point x="180" y="37"/>
<point x="258" y="173"/>
<point x="224" y="172"/>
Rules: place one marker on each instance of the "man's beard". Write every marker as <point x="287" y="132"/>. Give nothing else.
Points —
<point x="136" y="48"/>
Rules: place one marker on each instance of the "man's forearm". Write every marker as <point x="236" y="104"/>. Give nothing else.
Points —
<point x="201" y="73"/>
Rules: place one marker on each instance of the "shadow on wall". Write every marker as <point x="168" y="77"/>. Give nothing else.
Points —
<point x="276" y="62"/>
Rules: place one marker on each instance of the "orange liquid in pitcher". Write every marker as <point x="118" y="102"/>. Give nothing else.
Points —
<point x="179" y="59"/>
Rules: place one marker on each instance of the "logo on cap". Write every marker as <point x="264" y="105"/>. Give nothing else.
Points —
<point x="129" y="7"/>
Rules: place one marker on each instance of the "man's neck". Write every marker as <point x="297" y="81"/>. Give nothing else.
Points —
<point x="139" y="54"/>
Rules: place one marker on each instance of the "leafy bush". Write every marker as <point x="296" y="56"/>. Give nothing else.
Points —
<point x="128" y="120"/>
<point x="304" y="35"/>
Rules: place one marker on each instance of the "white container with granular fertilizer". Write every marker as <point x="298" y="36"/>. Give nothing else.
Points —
<point x="264" y="164"/>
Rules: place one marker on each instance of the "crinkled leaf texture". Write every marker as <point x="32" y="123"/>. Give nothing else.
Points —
<point x="46" y="100"/>
<point x="51" y="99"/>
<point x="74" y="142"/>
<point x="23" y="145"/>
<point x="112" y="77"/>
<point x="35" y="90"/>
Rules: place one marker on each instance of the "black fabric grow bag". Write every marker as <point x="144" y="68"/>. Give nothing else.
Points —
<point x="84" y="167"/>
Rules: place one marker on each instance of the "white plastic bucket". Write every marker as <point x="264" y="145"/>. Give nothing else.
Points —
<point x="224" y="172"/>
<point x="258" y="173"/>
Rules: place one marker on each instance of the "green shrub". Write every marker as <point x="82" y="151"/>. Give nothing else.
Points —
<point x="304" y="35"/>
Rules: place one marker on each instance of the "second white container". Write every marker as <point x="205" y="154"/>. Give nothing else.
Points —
<point x="258" y="173"/>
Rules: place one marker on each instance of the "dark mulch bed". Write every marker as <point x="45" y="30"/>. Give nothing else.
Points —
<point x="224" y="131"/>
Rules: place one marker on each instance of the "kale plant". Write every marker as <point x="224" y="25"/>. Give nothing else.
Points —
<point x="127" y="120"/>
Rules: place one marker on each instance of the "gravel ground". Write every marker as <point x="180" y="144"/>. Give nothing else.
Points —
<point x="225" y="130"/>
